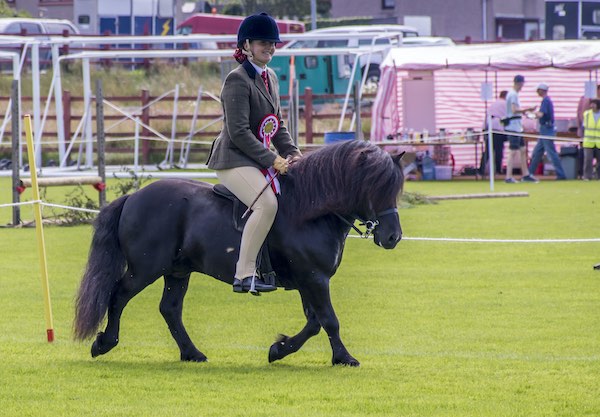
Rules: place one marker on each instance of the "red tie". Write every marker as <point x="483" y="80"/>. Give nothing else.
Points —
<point x="265" y="78"/>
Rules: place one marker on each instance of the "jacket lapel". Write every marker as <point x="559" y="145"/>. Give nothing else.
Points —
<point x="258" y="82"/>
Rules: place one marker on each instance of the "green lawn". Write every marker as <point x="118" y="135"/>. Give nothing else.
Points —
<point x="441" y="328"/>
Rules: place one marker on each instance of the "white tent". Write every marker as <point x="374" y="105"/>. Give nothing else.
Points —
<point x="439" y="87"/>
<point x="573" y="55"/>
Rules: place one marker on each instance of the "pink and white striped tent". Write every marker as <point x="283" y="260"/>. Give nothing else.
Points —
<point x="457" y="73"/>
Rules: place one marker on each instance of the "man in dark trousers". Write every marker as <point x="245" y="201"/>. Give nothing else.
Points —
<point x="545" y="116"/>
<point x="498" y="112"/>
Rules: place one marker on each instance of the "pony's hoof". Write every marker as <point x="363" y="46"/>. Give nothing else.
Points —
<point x="194" y="357"/>
<point x="347" y="361"/>
<point x="100" y="347"/>
<point x="276" y="351"/>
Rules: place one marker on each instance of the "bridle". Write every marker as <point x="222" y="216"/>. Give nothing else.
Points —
<point x="369" y="224"/>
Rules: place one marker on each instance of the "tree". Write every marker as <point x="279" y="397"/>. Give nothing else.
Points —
<point x="234" y="9"/>
<point x="323" y="7"/>
<point x="285" y="8"/>
<point x="7" y="11"/>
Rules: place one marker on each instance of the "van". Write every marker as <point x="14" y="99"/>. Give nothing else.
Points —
<point x="220" y="24"/>
<point x="358" y="36"/>
<point x="36" y="27"/>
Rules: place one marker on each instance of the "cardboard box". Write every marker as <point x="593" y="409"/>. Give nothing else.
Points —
<point x="443" y="172"/>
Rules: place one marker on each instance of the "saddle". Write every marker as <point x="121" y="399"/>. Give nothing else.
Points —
<point x="263" y="260"/>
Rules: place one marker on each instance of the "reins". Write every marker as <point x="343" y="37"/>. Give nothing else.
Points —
<point x="370" y="224"/>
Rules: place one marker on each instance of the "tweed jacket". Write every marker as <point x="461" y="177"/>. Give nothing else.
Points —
<point x="246" y="102"/>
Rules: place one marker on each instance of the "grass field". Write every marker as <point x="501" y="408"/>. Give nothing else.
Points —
<point x="440" y="328"/>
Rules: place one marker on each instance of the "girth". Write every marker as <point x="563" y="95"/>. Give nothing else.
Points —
<point x="263" y="260"/>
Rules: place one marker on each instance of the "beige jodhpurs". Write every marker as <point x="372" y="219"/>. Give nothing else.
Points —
<point x="246" y="182"/>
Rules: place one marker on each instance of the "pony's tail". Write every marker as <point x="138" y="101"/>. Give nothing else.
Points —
<point x="105" y="266"/>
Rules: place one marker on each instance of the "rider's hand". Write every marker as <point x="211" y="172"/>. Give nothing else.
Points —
<point x="281" y="165"/>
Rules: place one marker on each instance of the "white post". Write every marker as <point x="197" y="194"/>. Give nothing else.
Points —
<point x="579" y="19"/>
<point x="490" y="151"/>
<point x="17" y="76"/>
<point x="484" y="20"/>
<point x="364" y="79"/>
<point x="136" y="146"/>
<point x="60" y="128"/>
<point x="313" y="14"/>
<point x="348" y="91"/>
<point x="22" y="60"/>
<point x="173" y="126"/>
<point x="487" y="94"/>
<point x="7" y="113"/>
<point x="35" y="84"/>
<point x="185" y="146"/>
<point x="87" y="99"/>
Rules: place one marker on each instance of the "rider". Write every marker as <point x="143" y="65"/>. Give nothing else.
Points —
<point x="241" y="154"/>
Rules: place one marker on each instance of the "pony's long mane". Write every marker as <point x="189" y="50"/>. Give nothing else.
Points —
<point x="352" y="177"/>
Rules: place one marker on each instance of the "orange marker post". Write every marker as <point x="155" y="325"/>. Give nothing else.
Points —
<point x="39" y="229"/>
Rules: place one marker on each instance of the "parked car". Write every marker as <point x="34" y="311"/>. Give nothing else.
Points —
<point x="361" y="36"/>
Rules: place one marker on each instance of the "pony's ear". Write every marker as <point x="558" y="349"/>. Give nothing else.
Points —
<point x="397" y="158"/>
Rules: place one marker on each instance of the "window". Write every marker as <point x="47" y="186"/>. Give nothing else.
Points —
<point x="31" y="28"/>
<point x="184" y="30"/>
<point x="333" y="43"/>
<point x="59" y="28"/>
<point x="83" y="19"/>
<point x="388" y="4"/>
<point x="368" y="42"/>
<point x="12" y="29"/>
<point x="590" y="35"/>
<point x="304" y="44"/>
<point x="311" y="62"/>
<point x="596" y="16"/>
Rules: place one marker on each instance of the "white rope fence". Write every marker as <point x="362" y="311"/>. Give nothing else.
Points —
<point x="419" y="239"/>
<point x="26" y="203"/>
<point x="470" y="138"/>
<point x="479" y="240"/>
<point x="29" y="203"/>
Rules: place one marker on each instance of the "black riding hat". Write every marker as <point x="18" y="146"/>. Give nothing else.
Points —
<point x="258" y="27"/>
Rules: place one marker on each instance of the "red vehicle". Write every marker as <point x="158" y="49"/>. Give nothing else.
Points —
<point x="221" y="24"/>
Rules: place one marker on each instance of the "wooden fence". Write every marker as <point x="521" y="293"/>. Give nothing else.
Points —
<point x="160" y="120"/>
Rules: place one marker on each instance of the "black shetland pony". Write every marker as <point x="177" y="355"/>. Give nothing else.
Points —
<point x="174" y="227"/>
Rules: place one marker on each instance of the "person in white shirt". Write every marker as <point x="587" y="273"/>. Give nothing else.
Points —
<point x="514" y="112"/>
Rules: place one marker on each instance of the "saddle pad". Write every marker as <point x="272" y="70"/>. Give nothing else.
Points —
<point x="238" y="207"/>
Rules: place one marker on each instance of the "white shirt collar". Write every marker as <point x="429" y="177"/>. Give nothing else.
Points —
<point x="258" y="69"/>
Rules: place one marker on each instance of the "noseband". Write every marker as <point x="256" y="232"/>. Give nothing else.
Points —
<point x="369" y="224"/>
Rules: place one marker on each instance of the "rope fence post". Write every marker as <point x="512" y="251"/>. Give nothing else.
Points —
<point x="39" y="229"/>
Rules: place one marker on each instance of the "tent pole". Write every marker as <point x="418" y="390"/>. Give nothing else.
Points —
<point x="491" y="164"/>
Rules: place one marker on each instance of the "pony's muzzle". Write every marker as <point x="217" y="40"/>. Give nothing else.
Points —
<point x="388" y="242"/>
